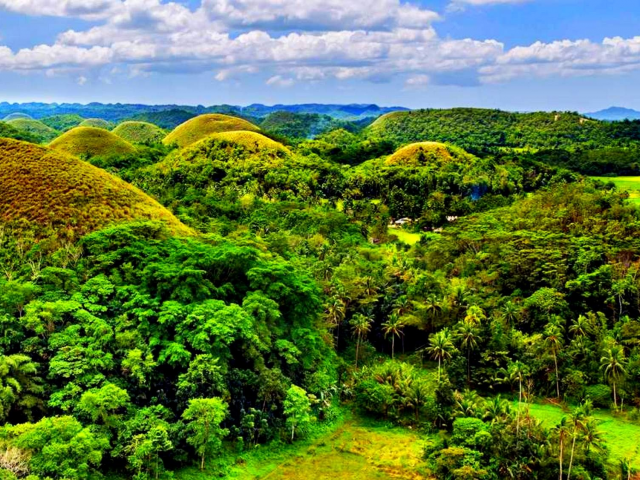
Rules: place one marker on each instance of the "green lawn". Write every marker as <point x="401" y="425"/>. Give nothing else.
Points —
<point x="353" y="448"/>
<point x="410" y="238"/>
<point x="622" y="436"/>
<point x="629" y="184"/>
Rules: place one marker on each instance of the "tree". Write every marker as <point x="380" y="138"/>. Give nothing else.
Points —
<point x="297" y="408"/>
<point x="393" y="326"/>
<point x="103" y="403"/>
<point x="468" y="335"/>
<point x="440" y="347"/>
<point x="146" y="449"/>
<point x="580" y="327"/>
<point x="578" y="420"/>
<point x="553" y="342"/>
<point x="204" y="416"/>
<point x="361" y="325"/>
<point x="19" y="383"/>
<point x="613" y="365"/>
<point x="562" y="431"/>
<point x="516" y="372"/>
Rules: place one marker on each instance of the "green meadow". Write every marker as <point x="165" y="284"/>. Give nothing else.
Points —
<point x="629" y="184"/>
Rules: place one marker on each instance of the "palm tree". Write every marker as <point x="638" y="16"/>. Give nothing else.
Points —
<point x="562" y="430"/>
<point x="433" y="306"/>
<point x="578" y="420"/>
<point x="416" y="397"/>
<point x="580" y="327"/>
<point x="440" y="347"/>
<point x="516" y="372"/>
<point x="393" y="326"/>
<point x="361" y="325"/>
<point x="19" y="382"/>
<point x="613" y="365"/>
<point x="553" y="341"/>
<point x="510" y="312"/>
<point x="468" y="335"/>
<point x="335" y="314"/>
<point x="475" y="315"/>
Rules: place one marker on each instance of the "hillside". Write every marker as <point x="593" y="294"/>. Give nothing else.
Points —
<point x="139" y="132"/>
<point x="199" y="127"/>
<point x="63" y="122"/>
<point x="9" y="131"/>
<point x="168" y="119"/>
<point x="299" y="125"/>
<point x="17" y="116"/>
<point x="42" y="132"/>
<point x="96" y="123"/>
<point x="428" y="153"/>
<point x="48" y="189"/>
<point x="475" y="129"/>
<point x="91" y="142"/>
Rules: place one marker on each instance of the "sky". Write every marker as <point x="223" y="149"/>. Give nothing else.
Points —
<point x="520" y="55"/>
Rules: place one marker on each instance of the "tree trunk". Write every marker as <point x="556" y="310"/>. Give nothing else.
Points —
<point x="438" y="368"/>
<point x="393" y="346"/>
<point x="293" y="431"/>
<point x="561" y="454"/>
<point x="573" y="449"/>
<point x="468" y="366"/>
<point x="555" y="359"/>
<point x="615" y="398"/>
<point x="357" y="350"/>
<point x="518" y="414"/>
<point x="202" y="462"/>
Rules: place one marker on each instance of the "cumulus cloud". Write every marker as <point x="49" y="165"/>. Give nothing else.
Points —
<point x="295" y="41"/>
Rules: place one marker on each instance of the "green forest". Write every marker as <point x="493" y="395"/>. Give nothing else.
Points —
<point x="432" y="294"/>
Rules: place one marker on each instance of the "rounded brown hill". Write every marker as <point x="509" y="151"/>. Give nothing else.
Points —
<point x="44" y="188"/>
<point x="251" y="141"/>
<point x="90" y="142"/>
<point x="202" y="126"/>
<point x="428" y="153"/>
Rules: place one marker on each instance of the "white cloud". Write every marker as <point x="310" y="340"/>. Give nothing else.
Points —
<point x="280" y="81"/>
<point x="86" y="9"/>
<point x="81" y="80"/>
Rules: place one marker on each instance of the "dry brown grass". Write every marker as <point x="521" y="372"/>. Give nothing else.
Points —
<point x="202" y="126"/>
<point x="48" y="189"/>
<point x="90" y="142"/>
<point x="427" y="153"/>
<point x="139" y="132"/>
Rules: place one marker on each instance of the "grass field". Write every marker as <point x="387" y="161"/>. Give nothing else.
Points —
<point x="405" y="236"/>
<point x="352" y="448"/>
<point x="629" y="184"/>
<point x="623" y="437"/>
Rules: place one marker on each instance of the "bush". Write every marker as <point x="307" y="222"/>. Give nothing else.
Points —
<point x="600" y="395"/>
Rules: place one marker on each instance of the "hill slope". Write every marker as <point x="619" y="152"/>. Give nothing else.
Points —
<point x="17" y="116"/>
<point x="139" y="132"/>
<point x="64" y="122"/>
<point x="43" y="132"/>
<point x="47" y="188"/>
<point x="200" y="127"/>
<point x="615" y="114"/>
<point x="427" y="153"/>
<point x="90" y="142"/>
<point x="96" y="123"/>
<point x="474" y="129"/>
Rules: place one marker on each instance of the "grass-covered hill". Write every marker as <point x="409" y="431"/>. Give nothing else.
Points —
<point x="91" y="142"/>
<point x="480" y="129"/>
<point x="9" y="131"/>
<point x="140" y="132"/>
<point x="41" y="131"/>
<point x="17" y="116"/>
<point x="199" y="127"/>
<point x="47" y="189"/>
<point x="428" y="153"/>
<point x="253" y="142"/>
<point x="96" y="123"/>
<point x="63" y="122"/>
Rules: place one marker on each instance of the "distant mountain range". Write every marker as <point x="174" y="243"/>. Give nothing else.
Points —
<point x="615" y="114"/>
<point x="117" y="111"/>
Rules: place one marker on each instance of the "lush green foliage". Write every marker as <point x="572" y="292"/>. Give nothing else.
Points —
<point x="63" y="122"/>
<point x="38" y="129"/>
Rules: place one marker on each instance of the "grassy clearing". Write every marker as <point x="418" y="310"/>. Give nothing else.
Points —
<point x="629" y="184"/>
<point x="353" y="448"/>
<point x="622" y="436"/>
<point x="405" y="236"/>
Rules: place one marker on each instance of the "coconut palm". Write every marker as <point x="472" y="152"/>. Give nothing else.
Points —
<point x="613" y="365"/>
<point x="580" y="327"/>
<point x="440" y="347"/>
<point x="468" y="335"/>
<point x="19" y="383"/>
<point x="553" y="342"/>
<point x="510" y="312"/>
<point x="578" y="419"/>
<point x="517" y="372"/>
<point x="393" y="326"/>
<point x="475" y="315"/>
<point x="361" y="325"/>
<point x="335" y="314"/>
<point x="562" y="431"/>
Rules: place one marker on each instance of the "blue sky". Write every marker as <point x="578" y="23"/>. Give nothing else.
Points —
<point x="512" y="54"/>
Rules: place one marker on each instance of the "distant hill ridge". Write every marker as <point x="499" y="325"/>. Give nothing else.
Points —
<point x="116" y="112"/>
<point x="615" y="114"/>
